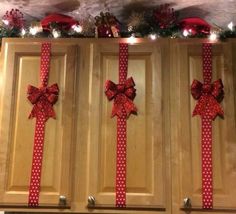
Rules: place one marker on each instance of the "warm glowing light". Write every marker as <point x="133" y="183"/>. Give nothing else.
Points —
<point x="153" y="36"/>
<point x="56" y="33"/>
<point x="231" y="26"/>
<point x="213" y="36"/>
<point x="77" y="28"/>
<point x="132" y="39"/>
<point x="23" y="32"/>
<point x="6" y="22"/>
<point x="33" y="30"/>
<point x="185" y="33"/>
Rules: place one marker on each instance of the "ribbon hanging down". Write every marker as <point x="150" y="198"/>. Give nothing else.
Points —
<point x="43" y="99"/>
<point x="209" y="95"/>
<point x="123" y="95"/>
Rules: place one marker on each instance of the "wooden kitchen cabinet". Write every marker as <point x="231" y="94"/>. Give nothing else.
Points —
<point x="163" y="140"/>
<point x="20" y="67"/>
<point x="148" y="183"/>
<point x="186" y="65"/>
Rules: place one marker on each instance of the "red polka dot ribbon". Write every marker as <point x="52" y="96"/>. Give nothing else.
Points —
<point x="209" y="95"/>
<point x="123" y="95"/>
<point x="43" y="99"/>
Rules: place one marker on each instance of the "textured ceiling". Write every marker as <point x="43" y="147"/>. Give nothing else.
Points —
<point x="218" y="12"/>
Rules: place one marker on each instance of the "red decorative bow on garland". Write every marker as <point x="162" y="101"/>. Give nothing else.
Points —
<point x="43" y="99"/>
<point x="209" y="96"/>
<point x="123" y="95"/>
<point x="107" y="25"/>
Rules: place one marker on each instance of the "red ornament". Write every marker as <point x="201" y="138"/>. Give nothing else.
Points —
<point x="14" y="18"/>
<point x="164" y="16"/>
<point x="65" y="22"/>
<point x="195" y="26"/>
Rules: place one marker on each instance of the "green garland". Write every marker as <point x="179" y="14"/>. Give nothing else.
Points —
<point x="149" y="25"/>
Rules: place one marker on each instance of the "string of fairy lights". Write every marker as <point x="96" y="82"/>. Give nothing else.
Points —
<point x="162" y="22"/>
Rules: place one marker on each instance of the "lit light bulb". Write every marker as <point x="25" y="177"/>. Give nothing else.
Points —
<point x="185" y="33"/>
<point x="33" y="30"/>
<point x="132" y="39"/>
<point x="23" y="32"/>
<point x="77" y="28"/>
<point x="213" y="36"/>
<point x="56" y="33"/>
<point x="231" y="26"/>
<point x="153" y="36"/>
<point x="6" y="22"/>
<point x="130" y="28"/>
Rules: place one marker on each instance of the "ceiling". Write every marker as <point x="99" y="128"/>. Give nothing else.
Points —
<point x="217" y="12"/>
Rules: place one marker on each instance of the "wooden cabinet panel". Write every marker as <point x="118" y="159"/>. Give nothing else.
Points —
<point x="21" y="68"/>
<point x="163" y="140"/>
<point x="147" y="141"/>
<point x="186" y="138"/>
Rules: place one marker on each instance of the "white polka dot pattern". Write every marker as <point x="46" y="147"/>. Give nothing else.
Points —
<point x="207" y="184"/>
<point x="121" y="134"/>
<point x="207" y="62"/>
<point x="34" y="187"/>
<point x="45" y="63"/>
<point x="37" y="162"/>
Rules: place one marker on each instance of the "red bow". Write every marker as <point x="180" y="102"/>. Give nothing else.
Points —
<point x="43" y="99"/>
<point x="123" y="95"/>
<point x="209" y="96"/>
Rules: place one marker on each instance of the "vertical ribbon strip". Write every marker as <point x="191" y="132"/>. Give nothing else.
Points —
<point x="123" y="95"/>
<point x="209" y="95"/>
<point x="121" y="135"/>
<point x="43" y="99"/>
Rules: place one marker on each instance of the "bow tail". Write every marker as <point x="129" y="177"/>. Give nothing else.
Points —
<point x="208" y="104"/>
<point x="130" y="107"/>
<point x="196" y="89"/>
<point x="215" y="108"/>
<point x="34" y="112"/>
<point x="200" y="108"/>
<point x="47" y="111"/>
<point x="117" y="109"/>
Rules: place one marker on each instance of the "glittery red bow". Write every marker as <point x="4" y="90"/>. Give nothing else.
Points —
<point x="123" y="95"/>
<point x="43" y="99"/>
<point x="209" y="96"/>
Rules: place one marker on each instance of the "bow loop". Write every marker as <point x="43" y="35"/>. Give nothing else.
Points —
<point x="131" y="93"/>
<point x="217" y="90"/>
<point x="129" y="83"/>
<point x="196" y="89"/>
<point x="110" y="89"/>
<point x="43" y="99"/>
<point x="53" y="88"/>
<point x="123" y="95"/>
<point x="52" y="93"/>
<point x="33" y="94"/>
<point x="209" y="96"/>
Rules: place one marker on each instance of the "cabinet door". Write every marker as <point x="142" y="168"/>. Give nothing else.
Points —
<point x="147" y="133"/>
<point x="21" y="67"/>
<point x="186" y="136"/>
